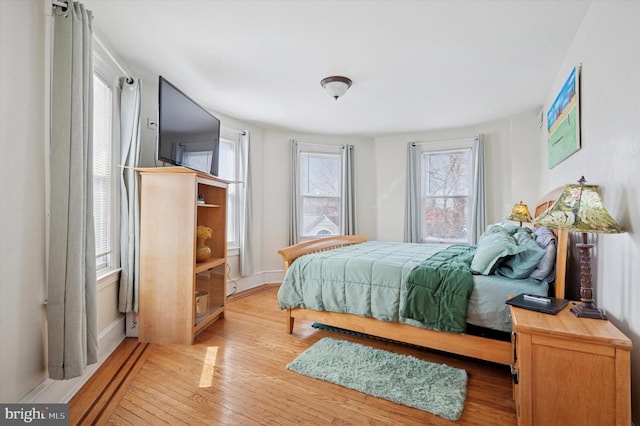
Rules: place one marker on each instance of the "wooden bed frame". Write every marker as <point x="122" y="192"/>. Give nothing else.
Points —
<point x="483" y="348"/>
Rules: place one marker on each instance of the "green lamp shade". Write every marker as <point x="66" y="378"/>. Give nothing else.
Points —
<point x="520" y="212"/>
<point x="579" y="209"/>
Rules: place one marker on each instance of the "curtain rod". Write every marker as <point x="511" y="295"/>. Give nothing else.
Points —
<point x="108" y="53"/>
<point x="63" y="4"/>
<point x="229" y="129"/>
<point x="320" y="144"/>
<point x="475" y="138"/>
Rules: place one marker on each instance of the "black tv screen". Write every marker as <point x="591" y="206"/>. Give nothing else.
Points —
<point x="188" y="135"/>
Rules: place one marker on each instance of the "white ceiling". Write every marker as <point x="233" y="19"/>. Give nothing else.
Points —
<point x="415" y="65"/>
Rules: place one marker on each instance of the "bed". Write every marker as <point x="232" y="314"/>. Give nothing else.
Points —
<point x="382" y="307"/>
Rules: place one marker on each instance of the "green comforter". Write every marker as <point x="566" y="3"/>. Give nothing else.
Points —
<point x="439" y="288"/>
<point x="370" y="280"/>
<point x="367" y="279"/>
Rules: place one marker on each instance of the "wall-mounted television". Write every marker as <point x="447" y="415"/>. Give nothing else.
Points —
<point x="188" y="135"/>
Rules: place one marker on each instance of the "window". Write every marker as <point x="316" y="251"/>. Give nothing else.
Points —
<point x="321" y="187"/>
<point x="320" y="194"/>
<point x="228" y="170"/>
<point x="445" y="179"/>
<point x="103" y="205"/>
<point x="445" y="195"/>
<point x="106" y="148"/>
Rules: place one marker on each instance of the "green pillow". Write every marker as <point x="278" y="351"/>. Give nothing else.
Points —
<point x="522" y="264"/>
<point x="492" y="248"/>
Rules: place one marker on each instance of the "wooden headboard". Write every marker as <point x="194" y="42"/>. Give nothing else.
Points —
<point x="562" y="237"/>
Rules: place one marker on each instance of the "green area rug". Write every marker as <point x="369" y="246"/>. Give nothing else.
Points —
<point x="438" y="389"/>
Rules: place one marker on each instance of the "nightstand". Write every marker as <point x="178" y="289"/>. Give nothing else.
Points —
<point x="570" y="370"/>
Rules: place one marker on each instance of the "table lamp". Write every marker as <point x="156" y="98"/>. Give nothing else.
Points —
<point x="520" y="213"/>
<point x="580" y="209"/>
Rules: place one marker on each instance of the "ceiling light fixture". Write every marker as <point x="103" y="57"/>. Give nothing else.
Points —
<point x="336" y="85"/>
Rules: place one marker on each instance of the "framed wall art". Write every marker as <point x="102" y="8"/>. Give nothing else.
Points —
<point x="563" y="120"/>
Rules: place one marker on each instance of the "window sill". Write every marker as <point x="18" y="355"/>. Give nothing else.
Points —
<point x="107" y="278"/>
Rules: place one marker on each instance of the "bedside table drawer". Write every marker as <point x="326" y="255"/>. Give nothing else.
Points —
<point x="570" y="370"/>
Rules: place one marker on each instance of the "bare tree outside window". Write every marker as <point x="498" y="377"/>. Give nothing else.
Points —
<point x="446" y="192"/>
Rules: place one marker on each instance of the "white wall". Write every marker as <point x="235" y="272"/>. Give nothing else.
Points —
<point x="270" y="168"/>
<point x="24" y="74"/>
<point x="277" y="178"/>
<point x="22" y="205"/>
<point x="511" y="173"/>
<point x="511" y="146"/>
<point x="607" y="44"/>
<point x="148" y="158"/>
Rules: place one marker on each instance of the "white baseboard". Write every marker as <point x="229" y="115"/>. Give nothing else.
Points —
<point x="236" y="285"/>
<point x="61" y="391"/>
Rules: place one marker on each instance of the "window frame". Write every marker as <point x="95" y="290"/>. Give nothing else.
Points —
<point x="233" y="193"/>
<point x="320" y="150"/>
<point x="445" y="147"/>
<point x="107" y="70"/>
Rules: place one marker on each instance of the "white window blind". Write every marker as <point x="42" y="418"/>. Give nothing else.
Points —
<point x="102" y="171"/>
<point x="228" y="169"/>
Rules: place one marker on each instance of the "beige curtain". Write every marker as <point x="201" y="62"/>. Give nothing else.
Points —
<point x="71" y="281"/>
<point x="349" y="214"/>
<point x="130" y="95"/>
<point x="246" y="197"/>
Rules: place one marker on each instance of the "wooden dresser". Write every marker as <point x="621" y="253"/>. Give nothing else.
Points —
<point x="570" y="370"/>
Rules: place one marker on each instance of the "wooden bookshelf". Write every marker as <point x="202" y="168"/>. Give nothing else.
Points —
<point x="180" y="297"/>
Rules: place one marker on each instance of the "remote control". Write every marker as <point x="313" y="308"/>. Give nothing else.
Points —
<point x="540" y="299"/>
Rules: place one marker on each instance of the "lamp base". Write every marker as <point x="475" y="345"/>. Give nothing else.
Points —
<point x="587" y="310"/>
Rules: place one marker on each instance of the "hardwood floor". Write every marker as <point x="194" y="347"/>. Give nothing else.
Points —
<point x="235" y="375"/>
